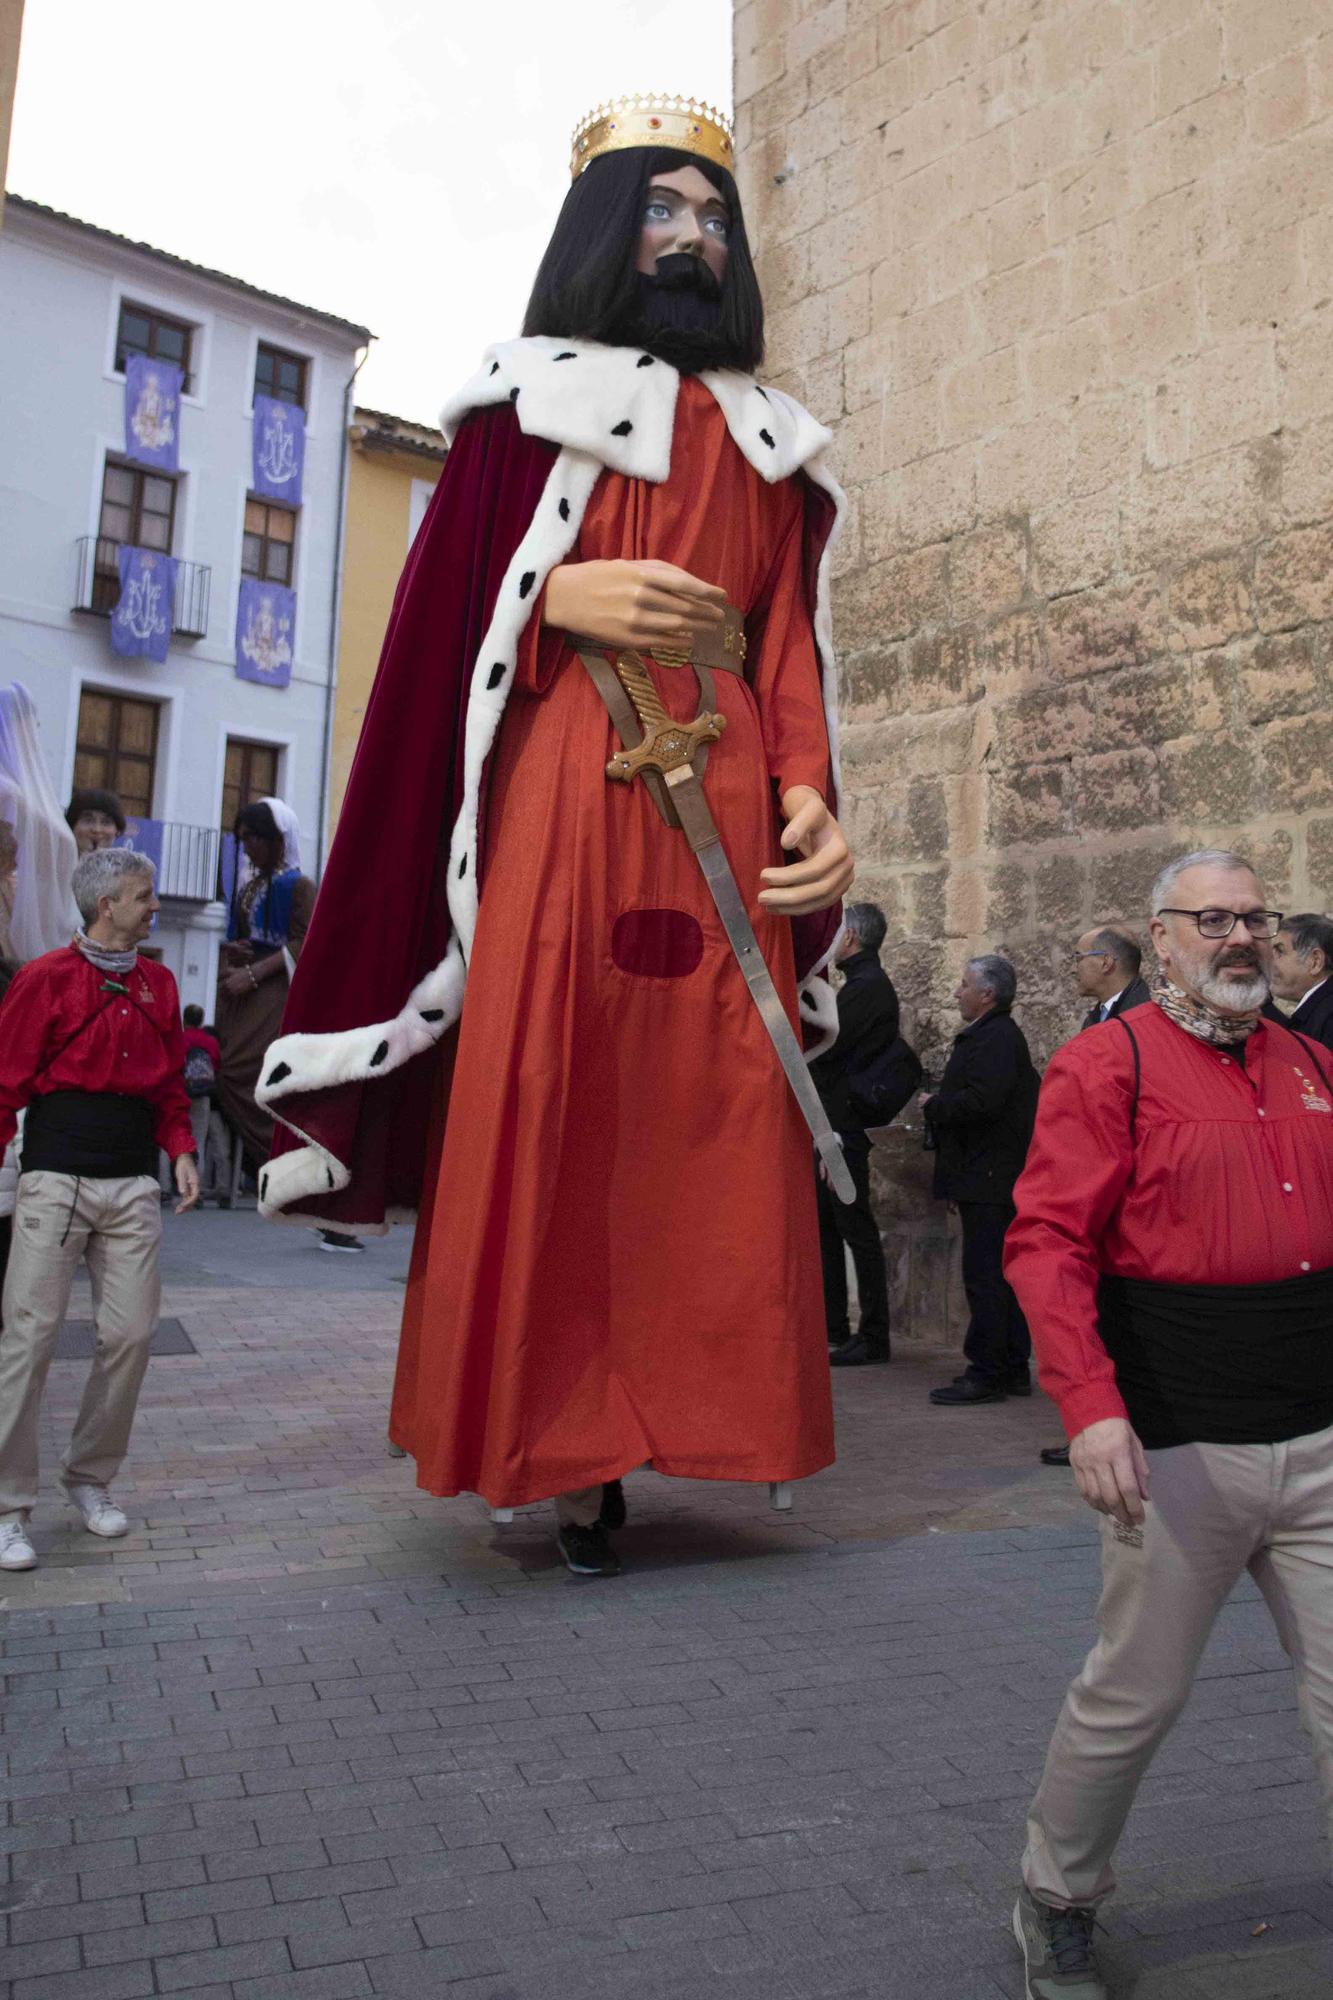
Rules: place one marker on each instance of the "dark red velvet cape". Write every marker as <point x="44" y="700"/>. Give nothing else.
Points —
<point x="381" y="918"/>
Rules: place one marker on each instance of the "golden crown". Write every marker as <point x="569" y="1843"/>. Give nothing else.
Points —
<point x="679" y="122"/>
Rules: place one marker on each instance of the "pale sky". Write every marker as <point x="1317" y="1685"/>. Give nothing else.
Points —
<point x="398" y="162"/>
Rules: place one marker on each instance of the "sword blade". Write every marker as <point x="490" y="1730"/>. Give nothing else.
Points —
<point x="730" y="904"/>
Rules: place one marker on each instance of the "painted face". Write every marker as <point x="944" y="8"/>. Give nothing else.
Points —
<point x="1234" y="972"/>
<point x="263" y="853"/>
<point x="683" y="214"/>
<point x="93" y="830"/>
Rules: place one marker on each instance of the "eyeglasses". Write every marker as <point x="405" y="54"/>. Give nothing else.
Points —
<point x="1221" y="923"/>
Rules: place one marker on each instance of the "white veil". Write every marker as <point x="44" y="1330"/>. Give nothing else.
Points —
<point x="44" y="916"/>
<point x="289" y="826"/>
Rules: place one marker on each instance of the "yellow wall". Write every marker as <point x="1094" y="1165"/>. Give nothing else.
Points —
<point x="11" y="21"/>
<point x="379" y="495"/>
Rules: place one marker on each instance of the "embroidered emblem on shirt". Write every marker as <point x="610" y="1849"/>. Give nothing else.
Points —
<point x="1310" y="1096"/>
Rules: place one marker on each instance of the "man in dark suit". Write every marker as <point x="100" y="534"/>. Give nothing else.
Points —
<point x="981" y="1120"/>
<point x="1303" y="971"/>
<point x="1106" y="968"/>
<point x="1106" y="962"/>
<point x="867" y="1025"/>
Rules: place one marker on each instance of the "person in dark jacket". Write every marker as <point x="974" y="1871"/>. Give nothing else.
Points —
<point x="1106" y="968"/>
<point x="981" y="1119"/>
<point x="1303" y="971"/>
<point x="867" y="1025"/>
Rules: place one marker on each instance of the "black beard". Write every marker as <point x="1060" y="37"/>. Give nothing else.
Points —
<point x="676" y="314"/>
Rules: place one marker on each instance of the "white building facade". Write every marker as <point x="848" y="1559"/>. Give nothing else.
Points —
<point x="186" y="742"/>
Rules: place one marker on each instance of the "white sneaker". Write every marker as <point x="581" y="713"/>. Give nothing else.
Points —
<point x="101" y="1516"/>
<point x="16" y="1551"/>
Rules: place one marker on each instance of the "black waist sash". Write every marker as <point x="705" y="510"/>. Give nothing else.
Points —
<point x="95" y="1134"/>
<point x="1221" y="1364"/>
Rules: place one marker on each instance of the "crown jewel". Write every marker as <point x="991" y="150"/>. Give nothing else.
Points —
<point x="682" y="123"/>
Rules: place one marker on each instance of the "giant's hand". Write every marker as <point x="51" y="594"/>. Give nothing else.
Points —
<point x="187" y="1182"/>
<point x="632" y="604"/>
<point x="826" y="871"/>
<point x="1111" y="1469"/>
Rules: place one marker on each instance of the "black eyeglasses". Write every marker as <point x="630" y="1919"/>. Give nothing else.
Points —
<point x="1221" y="923"/>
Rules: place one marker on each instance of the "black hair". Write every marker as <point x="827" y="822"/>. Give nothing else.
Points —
<point x="193" y="1015"/>
<point x="587" y="284"/>
<point x="89" y="800"/>
<point x="1310" y="932"/>
<point x="1120" y="949"/>
<point x="257" y="818"/>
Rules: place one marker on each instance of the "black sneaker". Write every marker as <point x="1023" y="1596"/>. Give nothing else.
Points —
<point x="612" y="1516"/>
<point x="587" y="1551"/>
<point x="1058" y="1957"/>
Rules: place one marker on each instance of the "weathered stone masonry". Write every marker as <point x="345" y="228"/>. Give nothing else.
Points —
<point x="1060" y="275"/>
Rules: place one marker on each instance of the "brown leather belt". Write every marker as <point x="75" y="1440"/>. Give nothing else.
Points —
<point x="721" y="649"/>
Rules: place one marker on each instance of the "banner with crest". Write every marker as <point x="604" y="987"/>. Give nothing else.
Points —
<point x="278" y="449"/>
<point x="265" y="621"/>
<point x="153" y="412"/>
<point x="141" y="622"/>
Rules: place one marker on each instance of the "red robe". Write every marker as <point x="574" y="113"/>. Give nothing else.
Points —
<point x="618" y="1262"/>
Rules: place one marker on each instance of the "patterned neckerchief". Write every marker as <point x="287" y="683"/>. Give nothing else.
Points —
<point x="102" y="955"/>
<point x="1197" y="1018"/>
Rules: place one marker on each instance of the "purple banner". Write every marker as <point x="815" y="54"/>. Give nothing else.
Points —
<point x="265" y="618"/>
<point x="141" y="622"/>
<point x="278" y="450"/>
<point x="152" y="412"/>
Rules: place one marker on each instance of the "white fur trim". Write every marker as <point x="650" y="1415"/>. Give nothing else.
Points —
<point x="605" y="407"/>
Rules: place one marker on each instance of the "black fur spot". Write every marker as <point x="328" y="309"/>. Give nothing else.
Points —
<point x="263" y="1187"/>
<point x="622" y="430"/>
<point x="329" y="1174"/>
<point x="526" y="582"/>
<point x="568" y="355"/>
<point x="645" y="361"/>
<point x="432" y="1013"/>
<point x="495" y="367"/>
<point x="277" y="1073"/>
<point x="768" y="440"/>
<point x="564" y="510"/>
<point x="513" y="395"/>
<point x="462" y="868"/>
<point x="496" y="674"/>
<point x="379" y="1055"/>
<point x="761" y="392"/>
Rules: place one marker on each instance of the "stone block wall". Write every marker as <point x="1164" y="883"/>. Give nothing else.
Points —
<point x="1059" y="274"/>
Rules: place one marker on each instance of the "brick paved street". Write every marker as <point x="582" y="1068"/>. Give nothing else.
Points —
<point x="307" y="1734"/>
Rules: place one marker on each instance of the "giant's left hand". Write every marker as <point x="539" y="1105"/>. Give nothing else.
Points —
<point x="826" y="871"/>
<point x="187" y="1182"/>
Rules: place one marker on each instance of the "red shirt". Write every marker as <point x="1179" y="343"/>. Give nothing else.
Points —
<point x="135" y="1046"/>
<point x="199" y="1038"/>
<point x="1225" y="1178"/>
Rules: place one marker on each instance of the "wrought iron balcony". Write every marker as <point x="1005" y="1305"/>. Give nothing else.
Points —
<point x="185" y="857"/>
<point x="97" y="585"/>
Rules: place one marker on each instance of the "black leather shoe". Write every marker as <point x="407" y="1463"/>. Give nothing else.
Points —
<point x="1055" y="1454"/>
<point x="612" y="1516"/>
<point x="972" y="1389"/>
<point x="856" y="1354"/>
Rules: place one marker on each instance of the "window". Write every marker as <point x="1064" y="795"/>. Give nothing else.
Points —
<point x="280" y="375"/>
<point x="116" y="749"/>
<point x="138" y="510"/>
<point x="266" y="546"/>
<point x="143" y="331"/>
<point x="250" y="772"/>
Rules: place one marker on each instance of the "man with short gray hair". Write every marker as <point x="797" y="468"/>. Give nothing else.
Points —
<point x="91" y="1042"/>
<point x="980" y="1119"/>
<point x="1303" y="972"/>
<point x="1173" y="1252"/>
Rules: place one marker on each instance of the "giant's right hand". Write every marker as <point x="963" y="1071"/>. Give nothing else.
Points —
<point x="1111" y="1468"/>
<point x="632" y="604"/>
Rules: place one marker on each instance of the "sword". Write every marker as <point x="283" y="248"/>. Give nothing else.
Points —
<point x="668" y="750"/>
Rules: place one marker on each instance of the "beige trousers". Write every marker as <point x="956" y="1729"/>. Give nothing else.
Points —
<point x="1215" y="1511"/>
<point x="580" y="1507"/>
<point x="58" y="1220"/>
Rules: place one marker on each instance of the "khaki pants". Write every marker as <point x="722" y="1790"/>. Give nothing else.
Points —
<point x="579" y="1507"/>
<point x="1215" y="1510"/>
<point x="117" y="1226"/>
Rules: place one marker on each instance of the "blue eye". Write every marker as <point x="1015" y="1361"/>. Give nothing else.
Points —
<point x="657" y="211"/>
<point x="720" y="227"/>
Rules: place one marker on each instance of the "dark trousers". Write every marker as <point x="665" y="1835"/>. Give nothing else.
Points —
<point x="997" y="1336"/>
<point x="853" y="1224"/>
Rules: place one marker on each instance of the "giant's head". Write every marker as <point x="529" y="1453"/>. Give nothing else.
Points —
<point x="650" y="247"/>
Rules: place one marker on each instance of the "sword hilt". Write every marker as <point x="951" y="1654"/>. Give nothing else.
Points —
<point x="667" y="745"/>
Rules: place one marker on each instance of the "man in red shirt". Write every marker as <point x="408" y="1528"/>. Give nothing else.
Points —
<point x="91" y="1043"/>
<point x="1173" y="1253"/>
